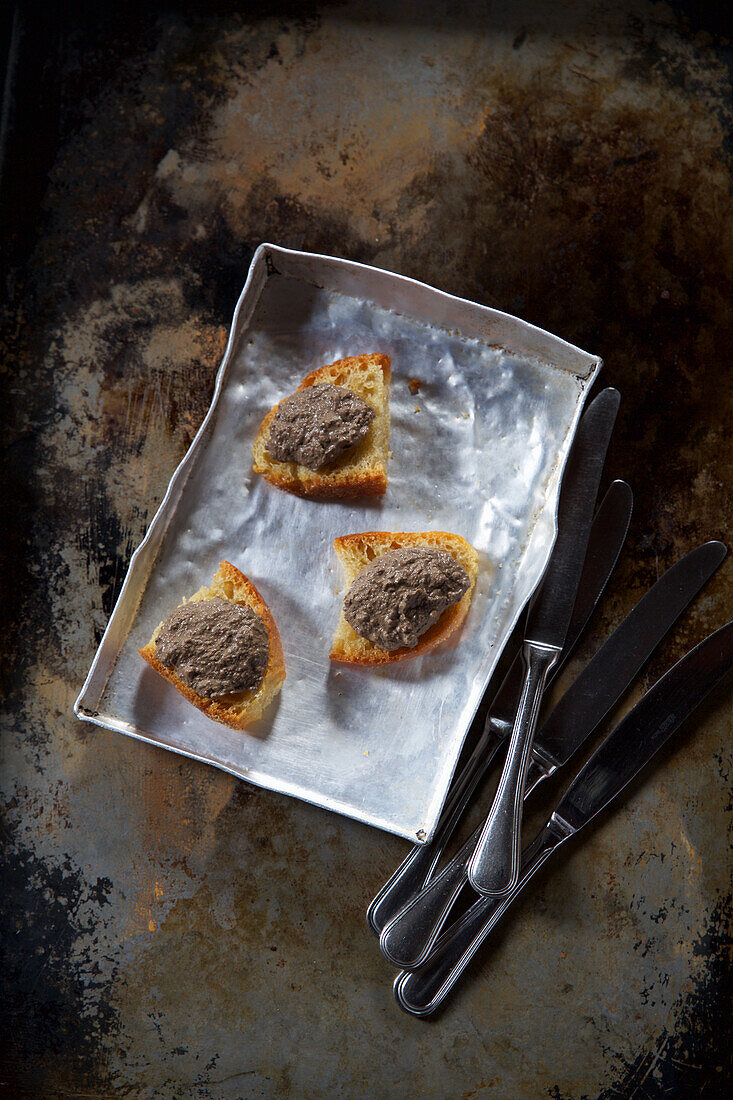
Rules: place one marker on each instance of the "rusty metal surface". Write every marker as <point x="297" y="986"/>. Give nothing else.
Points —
<point x="169" y="932"/>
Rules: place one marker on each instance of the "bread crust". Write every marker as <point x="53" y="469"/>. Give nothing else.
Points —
<point x="351" y="362"/>
<point x="360" y="473"/>
<point x="356" y="551"/>
<point x="243" y="707"/>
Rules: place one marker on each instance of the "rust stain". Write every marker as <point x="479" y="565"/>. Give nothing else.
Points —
<point x="182" y="805"/>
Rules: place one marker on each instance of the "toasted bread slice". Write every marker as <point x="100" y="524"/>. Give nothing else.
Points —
<point x="240" y="708"/>
<point x="361" y="471"/>
<point x="356" y="551"/>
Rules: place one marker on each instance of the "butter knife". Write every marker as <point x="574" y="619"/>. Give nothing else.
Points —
<point x="494" y="866"/>
<point x="623" y="754"/>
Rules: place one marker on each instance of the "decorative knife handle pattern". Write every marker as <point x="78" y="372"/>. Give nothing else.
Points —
<point x="494" y="866"/>
<point x="420" y="992"/>
<point x="408" y="938"/>
<point x="416" y="869"/>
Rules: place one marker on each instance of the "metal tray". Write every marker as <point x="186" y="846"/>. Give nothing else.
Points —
<point x="478" y="450"/>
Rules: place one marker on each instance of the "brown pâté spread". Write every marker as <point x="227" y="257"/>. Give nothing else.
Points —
<point x="317" y="424"/>
<point x="217" y="647"/>
<point x="400" y="594"/>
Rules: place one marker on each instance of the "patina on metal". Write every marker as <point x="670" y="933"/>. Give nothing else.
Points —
<point x="170" y="932"/>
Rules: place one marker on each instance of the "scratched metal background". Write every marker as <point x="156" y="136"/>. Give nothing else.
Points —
<point x="167" y="931"/>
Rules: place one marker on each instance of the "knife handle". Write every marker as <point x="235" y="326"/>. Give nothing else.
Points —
<point x="408" y="938"/>
<point x="494" y="867"/>
<point x="420" y="992"/>
<point x="415" y="870"/>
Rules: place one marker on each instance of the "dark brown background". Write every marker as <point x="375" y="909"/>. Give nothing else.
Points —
<point x="170" y="932"/>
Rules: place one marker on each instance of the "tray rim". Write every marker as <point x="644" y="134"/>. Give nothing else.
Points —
<point x="261" y="267"/>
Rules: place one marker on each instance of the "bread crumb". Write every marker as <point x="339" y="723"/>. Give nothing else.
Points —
<point x="414" y="385"/>
<point x="417" y="408"/>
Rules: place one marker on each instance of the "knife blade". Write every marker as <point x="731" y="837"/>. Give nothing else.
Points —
<point x="494" y="866"/>
<point x="607" y="537"/>
<point x="599" y="686"/>
<point x="408" y="938"/>
<point x="619" y="759"/>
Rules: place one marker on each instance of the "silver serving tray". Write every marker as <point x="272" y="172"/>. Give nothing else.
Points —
<point x="478" y="451"/>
